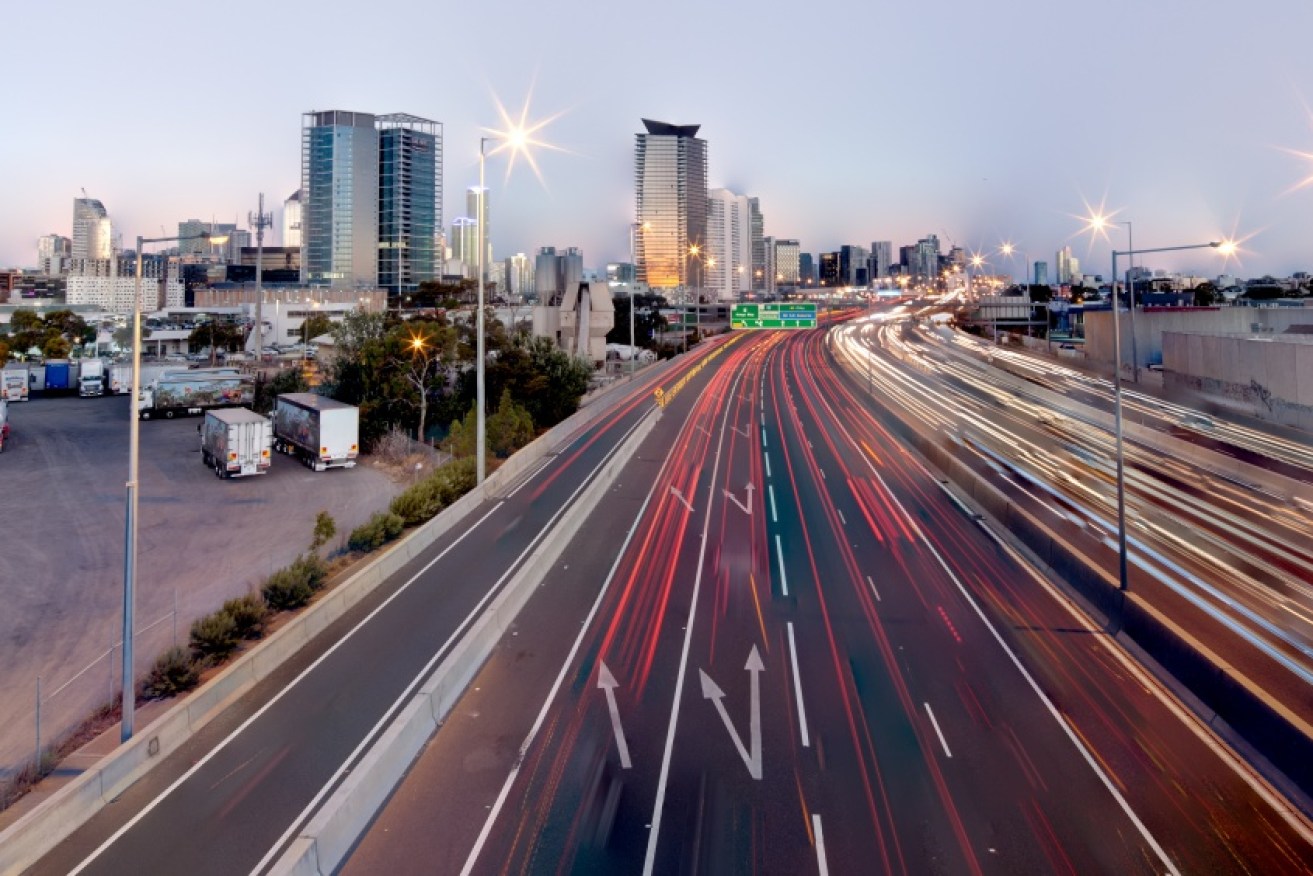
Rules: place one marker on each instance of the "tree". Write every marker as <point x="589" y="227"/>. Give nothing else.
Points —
<point x="123" y="336"/>
<point x="648" y="322"/>
<point x="1205" y="294"/>
<point x="25" y="320"/>
<point x="56" y="347"/>
<point x="1264" y="292"/>
<point x="4" y="352"/>
<point x="426" y="348"/>
<point x="325" y="528"/>
<point x="510" y="428"/>
<point x="71" y="326"/>
<point x="217" y="336"/>
<point x="315" y="324"/>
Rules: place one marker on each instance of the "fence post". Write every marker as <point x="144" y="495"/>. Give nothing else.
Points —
<point x="37" y="761"/>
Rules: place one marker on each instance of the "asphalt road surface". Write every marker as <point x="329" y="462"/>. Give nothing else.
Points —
<point x="201" y="539"/>
<point x="783" y="648"/>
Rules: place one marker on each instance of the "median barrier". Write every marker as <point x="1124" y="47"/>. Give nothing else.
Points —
<point x="331" y="834"/>
<point x="51" y="821"/>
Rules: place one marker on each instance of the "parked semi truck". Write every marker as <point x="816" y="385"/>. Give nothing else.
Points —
<point x="321" y="432"/>
<point x="187" y="393"/>
<point x="4" y="423"/>
<point x="236" y="442"/>
<point x="92" y="377"/>
<point x="61" y="374"/>
<point x="14" y="382"/>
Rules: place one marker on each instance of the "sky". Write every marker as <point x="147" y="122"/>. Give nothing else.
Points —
<point x="851" y="120"/>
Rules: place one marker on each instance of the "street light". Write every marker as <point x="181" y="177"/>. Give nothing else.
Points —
<point x="130" y="521"/>
<point x="1226" y="247"/>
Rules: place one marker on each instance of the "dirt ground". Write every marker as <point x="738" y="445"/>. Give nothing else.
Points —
<point x="201" y="540"/>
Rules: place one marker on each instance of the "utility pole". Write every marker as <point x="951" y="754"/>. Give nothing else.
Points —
<point x="260" y="220"/>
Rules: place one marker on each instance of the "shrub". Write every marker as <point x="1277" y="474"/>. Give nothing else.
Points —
<point x="286" y="589"/>
<point x="214" y="636"/>
<point x="174" y="672"/>
<point x="377" y="531"/>
<point x="325" y="528"/>
<point x="419" y="502"/>
<point x="311" y="569"/>
<point x="248" y="613"/>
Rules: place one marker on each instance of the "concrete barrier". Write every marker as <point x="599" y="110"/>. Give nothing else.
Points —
<point x="39" y="831"/>
<point x="329" y="836"/>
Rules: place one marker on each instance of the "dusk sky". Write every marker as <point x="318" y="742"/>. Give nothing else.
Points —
<point x="851" y="121"/>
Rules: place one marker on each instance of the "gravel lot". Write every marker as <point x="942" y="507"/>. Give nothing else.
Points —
<point x="201" y="540"/>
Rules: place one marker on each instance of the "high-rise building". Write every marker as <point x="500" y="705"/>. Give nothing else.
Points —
<point x="806" y="269"/>
<point x="1066" y="265"/>
<point x="882" y="258"/>
<point x="768" y="266"/>
<point x="925" y="258"/>
<point x="226" y="246"/>
<point x="339" y="191"/>
<point x="474" y="196"/>
<point x="670" y="175"/>
<point x="829" y="269"/>
<point x="409" y="201"/>
<point x="519" y="276"/>
<point x="788" y="272"/>
<point x="371" y="200"/>
<point x="1041" y="273"/>
<point x="465" y="244"/>
<point x="93" y="235"/>
<point x="53" y="252"/>
<point x="292" y="221"/>
<point x="757" y="273"/>
<point x="854" y="265"/>
<point x="729" y="244"/>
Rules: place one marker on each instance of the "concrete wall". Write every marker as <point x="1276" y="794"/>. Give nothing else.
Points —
<point x="1150" y="326"/>
<point x="1268" y="376"/>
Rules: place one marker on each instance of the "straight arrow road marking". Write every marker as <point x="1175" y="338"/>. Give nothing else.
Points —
<point x="680" y="496"/>
<point x="712" y="691"/>
<point x="606" y="681"/>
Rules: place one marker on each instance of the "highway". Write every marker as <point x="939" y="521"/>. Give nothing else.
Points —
<point x="782" y="646"/>
<point x="1225" y="550"/>
<point x="230" y="799"/>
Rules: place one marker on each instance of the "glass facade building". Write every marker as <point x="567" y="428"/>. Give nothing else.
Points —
<point x="670" y="175"/>
<point x="339" y="188"/>
<point x="409" y="201"/>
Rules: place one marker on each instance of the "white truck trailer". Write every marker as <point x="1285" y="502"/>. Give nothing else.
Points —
<point x="236" y="442"/>
<point x="92" y="378"/>
<point x="14" y="382"/>
<point x="321" y="432"/>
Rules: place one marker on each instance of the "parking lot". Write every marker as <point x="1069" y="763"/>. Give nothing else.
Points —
<point x="201" y="540"/>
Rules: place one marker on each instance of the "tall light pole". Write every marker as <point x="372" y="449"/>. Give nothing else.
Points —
<point x="130" y="515"/>
<point x="1226" y="247"/>
<point x="480" y="451"/>
<point x="261" y="220"/>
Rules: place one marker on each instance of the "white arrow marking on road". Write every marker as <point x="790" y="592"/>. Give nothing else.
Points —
<point x="717" y="696"/>
<point x="680" y="497"/>
<point x="743" y="432"/>
<point x="606" y="681"/>
<point x="746" y="509"/>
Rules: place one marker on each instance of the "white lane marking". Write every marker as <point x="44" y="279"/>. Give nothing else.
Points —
<point x="146" y="810"/>
<point x="797" y="690"/>
<point x="822" y="471"/>
<point x="763" y="436"/>
<point x="938" y="732"/>
<point x="842" y="519"/>
<point x="606" y="681"/>
<point x="821" y="864"/>
<point x="1016" y="661"/>
<point x="873" y="590"/>
<point x="560" y="679"/>
<point x="658" y="806"/>
<point x="763" y="418"/>
<point x="774" y="514"/>
<point x="779" y="553"/>
<point x="766" y="457"/>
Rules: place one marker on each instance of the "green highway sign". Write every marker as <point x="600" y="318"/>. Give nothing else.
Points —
<point x="791" y="315"/>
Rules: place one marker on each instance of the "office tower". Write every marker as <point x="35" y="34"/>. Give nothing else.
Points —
<point x="292" y="221"/>
<point x="621" y="272"/>
<point x="882" y="258"/>
<point x="227" y="250"/>
<point x="473" y="197"/>
<point x="519" y="276"/>
<point x="788" y="270"/>
<point x="829" y="269"/>
<point x="670" y="175"/>
<point x="339" y="191"/>
<point x="853" y="265"/>
<point x="93" y="236"/>
<point x="465" y="244"/>
<point x="1065" y="267"/>
<point x="409" y="200"/>
<point x="53" y="252"/>
<point x="758" y="275"/>
<point x="1041" y="273"/>
<point x="728" y="242"/>
<point x="925" y="260"/>
<point x="806" y="268"/>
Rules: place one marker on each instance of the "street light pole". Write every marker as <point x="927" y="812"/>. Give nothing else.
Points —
<point x="480" y="389"/>
<point x="1122" y="579"/>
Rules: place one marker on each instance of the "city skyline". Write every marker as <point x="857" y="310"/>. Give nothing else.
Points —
<point x="976" y="130"/>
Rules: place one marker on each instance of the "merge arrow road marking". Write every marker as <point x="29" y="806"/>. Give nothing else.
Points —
<point x="606" y="681"/>
<point x="680" y="496"/>
<point x="712" y="691"/>
<point x="746" y="509"/>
